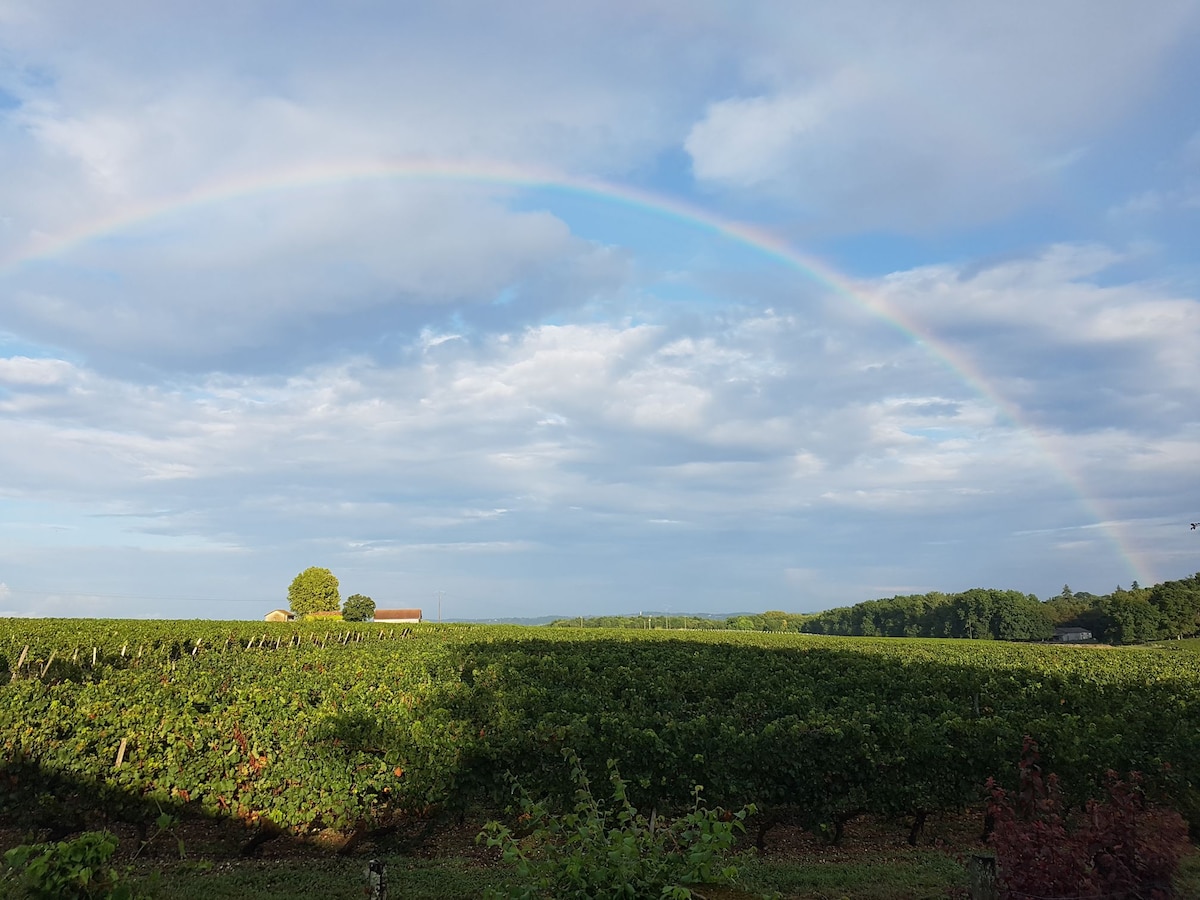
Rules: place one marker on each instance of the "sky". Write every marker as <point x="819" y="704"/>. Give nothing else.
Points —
<point x="585" y="308"/>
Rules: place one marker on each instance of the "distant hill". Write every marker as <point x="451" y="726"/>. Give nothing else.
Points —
<point x="546" y="620"/>
<point x="513" y="620"/>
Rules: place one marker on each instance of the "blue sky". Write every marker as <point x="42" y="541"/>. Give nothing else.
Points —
<point x="945" y="337"/>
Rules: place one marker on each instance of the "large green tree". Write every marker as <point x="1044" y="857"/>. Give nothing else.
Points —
<point x="314" y="590"/>
<point x="358" y="608"/>
<point x="1178" y="602"/>
<point x="1129" y="619"/>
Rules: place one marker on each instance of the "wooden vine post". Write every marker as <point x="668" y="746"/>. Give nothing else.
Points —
<point x="20" y="662"/>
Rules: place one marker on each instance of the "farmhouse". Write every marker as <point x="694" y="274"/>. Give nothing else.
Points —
<point x="1071" y="635"/>
<point x="398" y="616"/>
<point x="279" y="615"/>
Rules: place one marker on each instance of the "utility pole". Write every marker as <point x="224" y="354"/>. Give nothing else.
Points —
<point x="439" y="599"/>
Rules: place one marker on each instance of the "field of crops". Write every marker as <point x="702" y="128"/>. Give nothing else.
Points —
<point x="352" y="726"/>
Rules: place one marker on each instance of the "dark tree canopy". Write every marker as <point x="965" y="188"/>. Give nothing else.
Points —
<point x="1178" y="604"/>
<point x="980" y="613"/>
<point x="358" y="608"/>
<point x="314" y="590"/>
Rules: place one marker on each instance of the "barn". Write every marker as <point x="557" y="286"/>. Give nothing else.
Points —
<point x="398" y="616"/>
<point x="1071" y="635"/>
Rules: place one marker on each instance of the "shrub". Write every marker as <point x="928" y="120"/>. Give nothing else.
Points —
<point x="615" y="852"/>
<point x="69" y="870"/>
<point x="1121" y="847"/>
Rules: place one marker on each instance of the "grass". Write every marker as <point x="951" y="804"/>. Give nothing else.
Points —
<point x="925" y="875"/>
<point x="922" y="875"/>
<point x="340" y="879"/>
<point x="873" y="864"/>
<point x="919" y="875"/>
<point x="1189" y="644"/>
<point x="928" y="874"/>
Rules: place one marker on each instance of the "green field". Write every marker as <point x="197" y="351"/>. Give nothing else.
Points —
<point x="357" y="730"/>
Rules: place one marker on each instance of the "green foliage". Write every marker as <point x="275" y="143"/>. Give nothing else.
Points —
<point x="1170" y="609"/>
<point x="69" y="870"/>
<point x="1129" y="619"/>
<point x="358" y="608"/>
<point x="599" y="852"/>
<point x="164" y="824"/>
<point x="1066" y="610"/>
<point x="1135" y="616"/>
<point x="1178" y="604"/>
<point x="980" y="613"/>
<point x="338" y="725"/>
<point x="314" y="590"/>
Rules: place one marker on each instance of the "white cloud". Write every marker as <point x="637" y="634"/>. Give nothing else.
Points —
<point x="748" y="141"/>
<point x="641" y="422"/>
<point x="948" y="114"/>
<point x="21" y="370"/>
<point x="1042" y="329"/>
<point x="293" y="274"/>
<point x="173" y="97"/>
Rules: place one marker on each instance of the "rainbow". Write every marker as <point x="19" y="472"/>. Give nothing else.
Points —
<point x="486" y="173"/>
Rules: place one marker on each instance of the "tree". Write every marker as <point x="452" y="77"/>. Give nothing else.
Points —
<point x="1129" y="619"/>
<point x="1179" y="604"/>
<point x="314" y="590"/>
<point x="358" y="608"/>
<point x="1066" y="611"/>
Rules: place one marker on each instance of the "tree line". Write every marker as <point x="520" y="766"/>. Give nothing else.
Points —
<point x="979" y="613"/>
<point x="1167" y="610"/>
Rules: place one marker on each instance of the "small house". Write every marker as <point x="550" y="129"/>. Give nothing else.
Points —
<point x="1072" y="635"/>
<point x="279" y="615"/>
<point x="398" y="616"/>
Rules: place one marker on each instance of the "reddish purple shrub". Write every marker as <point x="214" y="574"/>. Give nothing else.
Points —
<point x="1121" y="848"/>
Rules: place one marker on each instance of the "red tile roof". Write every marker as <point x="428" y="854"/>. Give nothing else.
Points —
<point x="409" y="614"/>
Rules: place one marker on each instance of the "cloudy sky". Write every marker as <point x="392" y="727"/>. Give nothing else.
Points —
<point x="578" y="308"/>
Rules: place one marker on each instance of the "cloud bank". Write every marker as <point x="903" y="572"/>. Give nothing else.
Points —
<point x="543" y="401"/>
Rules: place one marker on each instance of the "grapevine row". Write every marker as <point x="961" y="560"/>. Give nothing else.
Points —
<point x="343" y="727"/>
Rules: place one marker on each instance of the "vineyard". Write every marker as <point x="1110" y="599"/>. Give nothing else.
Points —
<point x="354" y="727"/>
